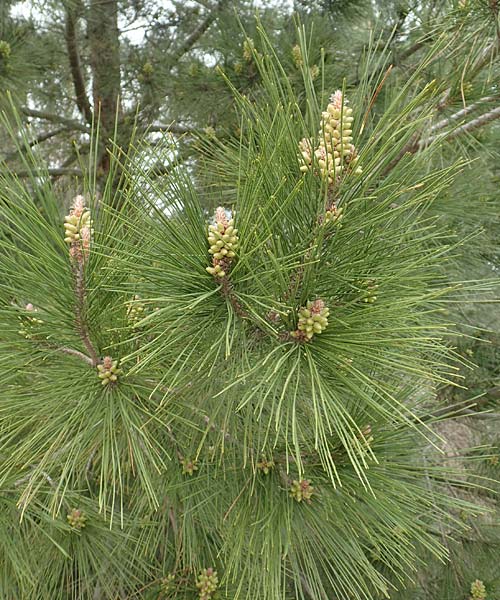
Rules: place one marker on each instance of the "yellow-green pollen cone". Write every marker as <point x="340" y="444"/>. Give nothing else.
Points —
<point x="335" y="152"/>
<point x="207" y="583"/>
<point x="78" y="229"/>
<point x="477" y="590"/>
<point x="223" y="243"/>
<point x="313" y="319"/>
<point x="76" y="518"/>
<point x="135" y="310"/>
<point x="301" y="490"/>
<point x="108" y="371"/>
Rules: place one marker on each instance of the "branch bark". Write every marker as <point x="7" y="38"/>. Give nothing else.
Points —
<point x="417" y="143"/>
<point x="77" y="354"/>
<point x="70" y="124"/>
<point x="476" y="123"/>
<point x="103" y="33"/>
<point x="53" y="172"/>
<point x="82" y="100"/>
<point x="191" y="40"/>
<point x="462" y="113"/>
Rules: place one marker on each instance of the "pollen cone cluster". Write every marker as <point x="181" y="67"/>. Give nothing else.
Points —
<point x="135" y="310"/>
<point x="76" y="518"/>
<point x="78" y="229"/>
<point x="477" y="590"/>
<point x="29" y="322"/>
<point x="335" y="152"/>
<point x="108" y="371"/>
<point x="302" y="490"/>
<point x="313" y="318"/>
<point x="223" y="242"/>
<point x="207" y="583"/>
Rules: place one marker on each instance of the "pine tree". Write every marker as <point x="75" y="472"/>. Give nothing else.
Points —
<point x="237" y="404"/>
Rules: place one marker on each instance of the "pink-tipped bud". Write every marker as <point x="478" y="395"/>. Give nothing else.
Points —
<point x="78" y="206"/>
<point x="221" y="217"/>
<point x="317" y="306"/>
<point x="337" y="99"/>
<point x="107" y="362"/>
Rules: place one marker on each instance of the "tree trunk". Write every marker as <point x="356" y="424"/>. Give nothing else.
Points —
<point x="105" y="64"/>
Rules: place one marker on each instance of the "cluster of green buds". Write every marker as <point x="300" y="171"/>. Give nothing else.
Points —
<point x="167" y="583"/>
<point x="301" y="490"/>
<point x="297" y="56"/>
<point x="314" y="72"/>
<point x="371" y="291"/>
<point x="78" y="230"/>
<point x="223" y="241"/>
<point x="5" y="49"/>
<point x="135" y="310"/>
<point x="29" y="322"/>
<point x="248" y="49"/>
<point x="207" y="583"/>
<point x="477" y="590"/>
<point x="76" y="518"/>
<point x="495" y="460"/>
<point x="265" y="465"/>
<point x="335" y="152"/>
<point x="313" y="318"/>
<point x="108" y="371"/>
<point x="334" y="214"/>
<point x="366" y="435"/>
<point x="189" y="466"/>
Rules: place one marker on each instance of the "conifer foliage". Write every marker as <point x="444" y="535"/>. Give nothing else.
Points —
<point x="233" y="406"/>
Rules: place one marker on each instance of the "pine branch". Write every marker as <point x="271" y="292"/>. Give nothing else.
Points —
<point x="172" y="128"/>
<point x="476" y="123"/>
<point x="488" y="55"/>
<point x="70" y="124"/>
<point x="53" y="172"/>
<point x="82" y="100"/>
<point x="80" y="319"/>
<point x="462" y="113"/>
<point x="38" y="140"/>
<point x="78" y="354"/>
<point x="417" y="143"/>
<point x="196" y="34"/>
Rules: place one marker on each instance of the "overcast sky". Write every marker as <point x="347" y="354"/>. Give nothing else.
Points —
<point x="134" y="33"/>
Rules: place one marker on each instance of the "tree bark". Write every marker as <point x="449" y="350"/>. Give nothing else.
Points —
<point x="82" y="101"/>
<point x="103" y="34"/>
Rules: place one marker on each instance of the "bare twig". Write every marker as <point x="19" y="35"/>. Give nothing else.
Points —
<point x="418" y="143"/>
<point x="476" y="123"/>
<point x="172" y="128"/>
<point x="53" y="172"/>
<point x="54" y="118"/>
<point x="462" y="113"/>
<point x="191" y="39"/>
<point x="77" y="354"/>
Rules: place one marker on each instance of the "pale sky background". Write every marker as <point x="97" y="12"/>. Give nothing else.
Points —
<point x="134" y="33"/>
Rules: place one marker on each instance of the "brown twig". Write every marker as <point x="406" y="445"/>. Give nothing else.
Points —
<point x="227" y="291"/>
<point x="462" y="113"/>
<point x="77" y="354"/>
<point x="196" y="34"/>
<point x="476" y="123"/>
<point x="54" y="118"/>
